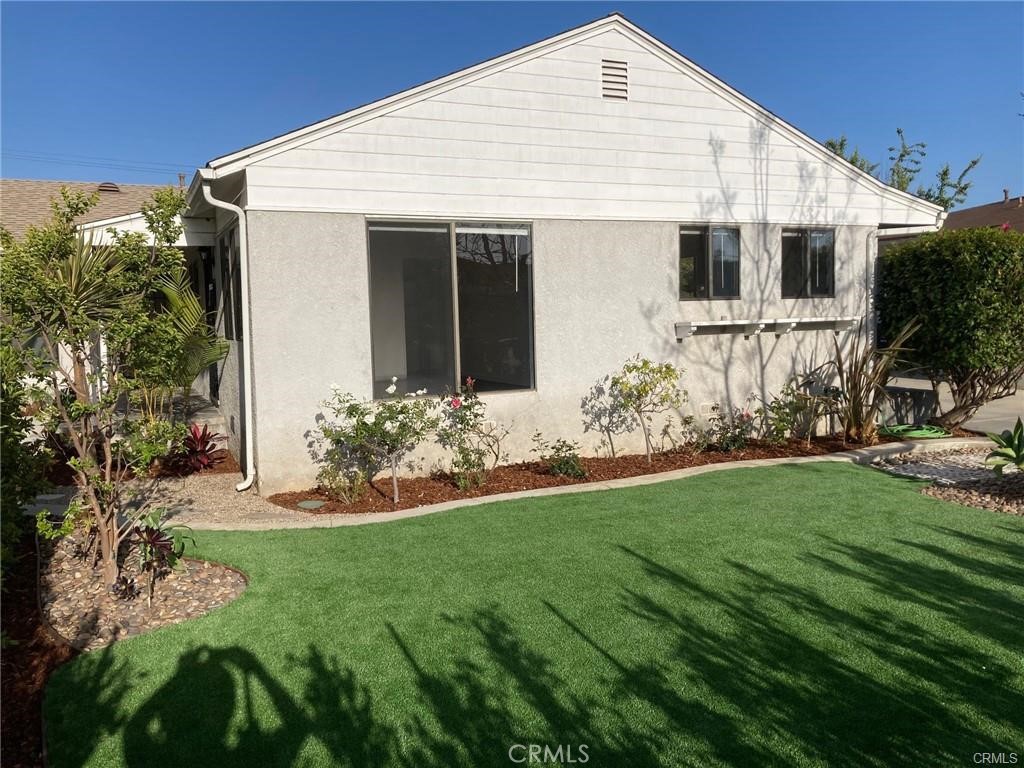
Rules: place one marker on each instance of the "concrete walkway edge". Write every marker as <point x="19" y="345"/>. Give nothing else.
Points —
<point x="865" y="455"/>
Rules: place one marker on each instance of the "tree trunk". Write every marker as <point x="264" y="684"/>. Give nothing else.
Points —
<point x="394" y="479"/>
<point x="647" y="438"/>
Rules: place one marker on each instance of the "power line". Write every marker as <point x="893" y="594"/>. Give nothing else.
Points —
<point x="90" y="158"/>
<point x="137" y="166"/>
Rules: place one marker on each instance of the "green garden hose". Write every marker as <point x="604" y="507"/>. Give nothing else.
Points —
<point x="913" y="431"/>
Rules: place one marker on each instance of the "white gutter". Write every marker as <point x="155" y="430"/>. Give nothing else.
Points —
<point x="246" y="394"/>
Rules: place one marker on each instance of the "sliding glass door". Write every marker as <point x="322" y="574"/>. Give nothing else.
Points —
<point x="415" y="315"/>
<point x="410" y="308"/>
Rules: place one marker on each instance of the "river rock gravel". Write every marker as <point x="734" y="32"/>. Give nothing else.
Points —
<point x="82" y="609"/>
<point x="961" y="476"/>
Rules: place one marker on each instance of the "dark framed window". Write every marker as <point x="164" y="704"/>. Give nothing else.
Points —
<point x="230" y="284"/>
<point x="226" y="288"/>
<point x="808" y="263"/>
<point x="450" y="301"/>
<point x="709" y="263"/>
<point x="236" y="284"/>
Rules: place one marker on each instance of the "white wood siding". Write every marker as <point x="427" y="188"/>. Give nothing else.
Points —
<point x="537" y="140"/>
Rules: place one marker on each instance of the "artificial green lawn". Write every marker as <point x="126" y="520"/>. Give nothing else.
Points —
<point x="798" y="615"/>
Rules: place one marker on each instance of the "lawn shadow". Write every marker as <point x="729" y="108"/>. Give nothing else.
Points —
<point x="509" y="695"/>
<point x="846" y="686"/>
<point x="244" y="716"/>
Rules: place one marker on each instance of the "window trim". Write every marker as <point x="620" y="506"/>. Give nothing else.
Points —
<point x="807" y="233"/>
<point x="708" y="231"/>
<point x="452" y="226"/>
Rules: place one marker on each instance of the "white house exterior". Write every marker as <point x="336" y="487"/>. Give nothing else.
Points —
<point x="532" y="222"/>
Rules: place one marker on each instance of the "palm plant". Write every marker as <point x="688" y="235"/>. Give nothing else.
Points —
<point x="863" y="375"/>
<point x="201" y="347"/>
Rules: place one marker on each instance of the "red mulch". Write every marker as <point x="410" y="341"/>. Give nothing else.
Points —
<point x="30" y="654"/>
<point x="417" y="491"/>
<point x="59" y="473"/>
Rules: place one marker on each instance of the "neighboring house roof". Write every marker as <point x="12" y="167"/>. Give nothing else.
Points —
<point x="26" y="202"/>
<point x="235" y="161"/>
<point x="1010" y="211"/>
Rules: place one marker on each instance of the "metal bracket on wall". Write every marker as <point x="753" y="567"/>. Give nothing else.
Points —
<point x="751" y="328"/>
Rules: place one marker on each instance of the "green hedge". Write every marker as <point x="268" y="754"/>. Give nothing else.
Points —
<point x="967" y="287"/>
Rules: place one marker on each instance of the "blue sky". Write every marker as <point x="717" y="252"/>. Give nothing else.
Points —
<point x="141" y="91"/>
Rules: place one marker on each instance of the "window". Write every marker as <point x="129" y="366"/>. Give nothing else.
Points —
<point x="448" y="301"/>
<point x="224" y="257"/>
<point x="709" y="263"/>
<point x="230" y="285"/>
<point x="808" y="263"/>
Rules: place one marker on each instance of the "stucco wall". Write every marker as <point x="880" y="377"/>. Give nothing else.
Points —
<point x="311" y="329"/>
<point x="603" y="291"/>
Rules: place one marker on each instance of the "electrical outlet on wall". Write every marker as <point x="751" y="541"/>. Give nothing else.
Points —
<point x="707" y="409"/>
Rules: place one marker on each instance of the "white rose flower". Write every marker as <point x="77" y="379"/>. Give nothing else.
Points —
<point x="391" y="390"/>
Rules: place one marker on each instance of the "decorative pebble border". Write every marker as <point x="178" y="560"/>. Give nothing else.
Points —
<point x="961" y="476"/>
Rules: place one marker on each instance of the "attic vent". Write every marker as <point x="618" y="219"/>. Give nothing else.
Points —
<point x="108" y="186"/>
<point x="614" y="79"/>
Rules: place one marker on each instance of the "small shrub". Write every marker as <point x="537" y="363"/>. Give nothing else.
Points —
<point x="561" y="457"/>
<point x="200" y="447"/>
<point x="731" y="432"/>
<point x="474" y="442"/>
<point x="645" y="388"/>
<point x="796" y="411"/>
<point x="125" y="588"/>
<point x="605" y="413"/>
<point x="149" y="442"/>
<point x="1009" y="448"/>
<point x="378" y="434"/>
<point x="160" y="546"/>
<point x="342" y="481"/>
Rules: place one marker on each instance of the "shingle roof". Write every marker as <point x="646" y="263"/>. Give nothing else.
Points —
<point x="1010" y="212"/>
<point x="26" y="202"/>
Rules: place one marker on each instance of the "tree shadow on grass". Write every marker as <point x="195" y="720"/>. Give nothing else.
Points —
<point x="509" y="695"/>
<point x="747" y="670"/>
<point x="94" y="686"/>
<point x="845" y="685"/>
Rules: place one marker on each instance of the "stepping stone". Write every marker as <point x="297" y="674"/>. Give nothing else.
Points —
<point x="311" y="504"/>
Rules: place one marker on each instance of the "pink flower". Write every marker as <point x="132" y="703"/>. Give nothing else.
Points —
<point x="1005" y="227"/>
<point x="470" y="381"/>
<point x="456" y="403"/>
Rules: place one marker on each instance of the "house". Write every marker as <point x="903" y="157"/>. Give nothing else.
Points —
<point x="26" y="202"/>
<point x="1008" y="212"/>
<point x="531" y="221"/>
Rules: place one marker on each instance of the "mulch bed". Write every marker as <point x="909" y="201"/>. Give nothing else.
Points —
<point x="58" y="473"/>
<point x="418" y="491"/>
<point x="80" y="606"/>
<point x="31" y="652"/>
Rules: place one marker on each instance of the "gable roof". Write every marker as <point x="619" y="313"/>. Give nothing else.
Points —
<point x="26" y="202"/>
<point x="1009" y="211"/>
<point x="235" y="161"/>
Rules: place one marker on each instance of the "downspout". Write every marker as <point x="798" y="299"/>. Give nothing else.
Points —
<point x="243" y="262"/>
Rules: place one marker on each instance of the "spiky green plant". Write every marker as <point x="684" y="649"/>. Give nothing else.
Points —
<point x="1009" y="448"/>
<point x="863" y="374"/>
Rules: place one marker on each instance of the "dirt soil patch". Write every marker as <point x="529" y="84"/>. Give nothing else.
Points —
<point x="81" y="607"/>
<point x="418" y="491"/>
